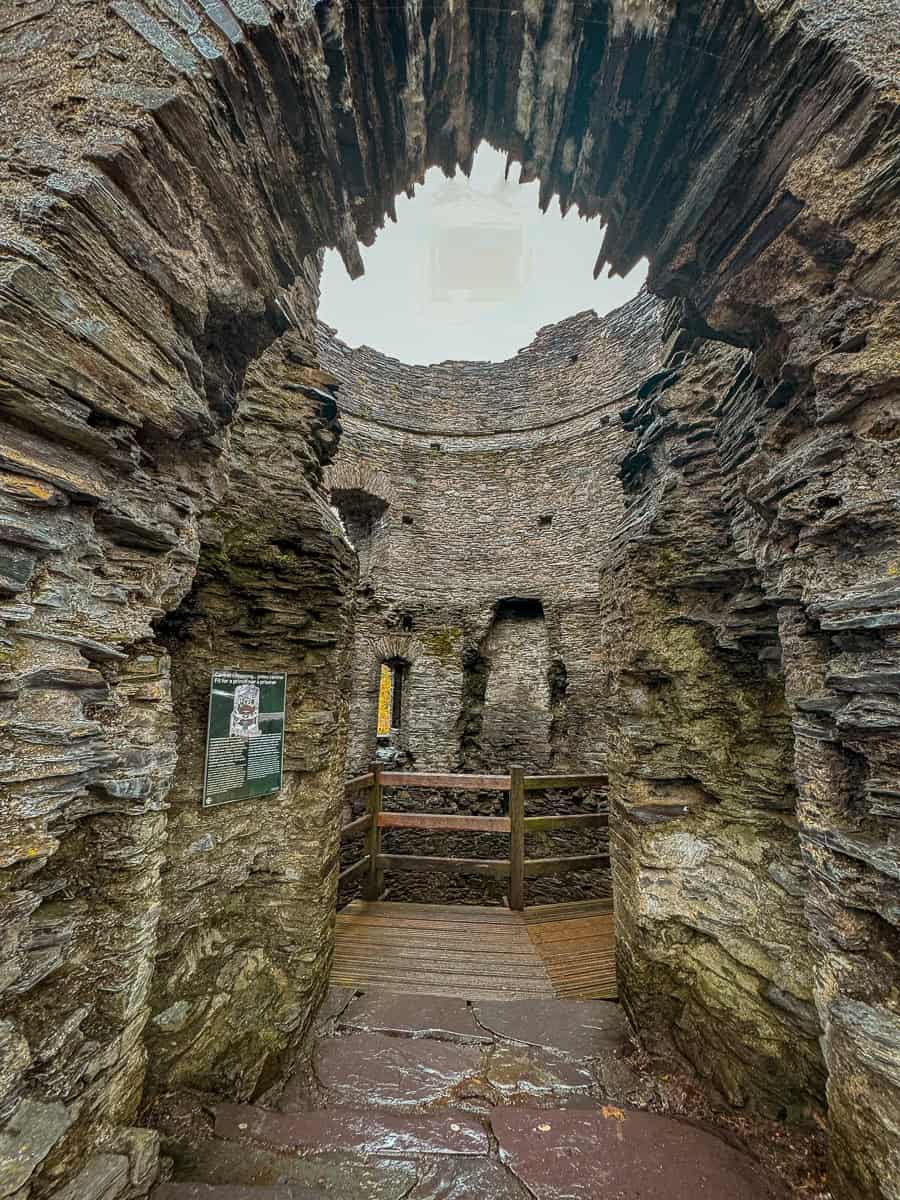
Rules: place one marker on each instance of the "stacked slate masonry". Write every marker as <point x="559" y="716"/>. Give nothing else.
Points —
<point x="168" y="176"/>
<point x="498" y="493"/>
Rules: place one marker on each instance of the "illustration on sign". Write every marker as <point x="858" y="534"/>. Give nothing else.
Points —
<point x="245" y="736"/>
<point x="245" y="714"/>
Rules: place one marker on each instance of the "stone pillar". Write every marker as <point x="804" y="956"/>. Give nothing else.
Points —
<point x="820" y="512"/>
<point x="249" y="888"/>
<point x="708" y="879"/>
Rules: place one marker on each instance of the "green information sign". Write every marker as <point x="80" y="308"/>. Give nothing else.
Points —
<point x="244" y="736"/>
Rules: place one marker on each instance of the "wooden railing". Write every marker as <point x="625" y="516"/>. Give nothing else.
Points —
<point x="516" y="868"/>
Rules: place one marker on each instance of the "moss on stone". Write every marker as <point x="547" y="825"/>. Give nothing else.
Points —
<point x="443" y="644"/>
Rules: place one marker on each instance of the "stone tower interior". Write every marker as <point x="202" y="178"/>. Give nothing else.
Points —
<point x="661" y="544"/>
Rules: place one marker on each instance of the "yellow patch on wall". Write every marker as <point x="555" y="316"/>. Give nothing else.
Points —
<point x="384" y="702"/>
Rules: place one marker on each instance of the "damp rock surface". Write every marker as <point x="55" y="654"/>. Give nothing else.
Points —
<point x="575" y="1155"/>
<point x="404" y="1115"/>
<point x="391" y="1072"/>
<point x="170" y="172"/>
<point x="575" y="1029"/>
<point x="443" y="1017"/>
<point x="361" y="1130"/>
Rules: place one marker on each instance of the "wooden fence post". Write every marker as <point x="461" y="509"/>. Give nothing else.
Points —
<point x="517" y="838"/>
<point x="375" y="878"/>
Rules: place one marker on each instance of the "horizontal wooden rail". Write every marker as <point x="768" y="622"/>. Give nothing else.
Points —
<point x="359" y="784"/>
<point x="516" y="868"/>
<point x="498" y="867"/>
<point x="354" y="828"/>
<point x="421" y="779"/>
<point x="358" y="868"/>
<point x="542" y="783"/>
<point x="558" y="866"/>
<point x="567" y="821"/>
<point x="402" y="820"/>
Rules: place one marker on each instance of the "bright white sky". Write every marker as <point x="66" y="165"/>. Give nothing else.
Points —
<point x="471" y="270"/>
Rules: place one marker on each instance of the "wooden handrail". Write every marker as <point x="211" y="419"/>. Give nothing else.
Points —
<point x="423" y="779"/>
<point x="546" y="783"/>
<point x="558" y="866"/>
<point x="360" y="867"/>
<point x="402" y="820"/>
<point x="567" y="821"/>
<point x="464" y="866"/>
<point x="487" y="783"/>
<point x="375" y="879"/>
<point x="517" y="868"/>
<point x="359" y="784"/>
<point x="517" y="838"/>
<point x="353" y="828"/>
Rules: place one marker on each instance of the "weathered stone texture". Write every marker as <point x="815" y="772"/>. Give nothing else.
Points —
<point x="500" y="493"/>
<point x="708" y="875"/>
<point x="249" y="889"/>
<point x="166" y="174"/>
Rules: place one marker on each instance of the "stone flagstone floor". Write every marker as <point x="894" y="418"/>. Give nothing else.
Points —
<point x="432" y="1098"/>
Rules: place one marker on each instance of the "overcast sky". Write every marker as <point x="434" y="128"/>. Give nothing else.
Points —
<point x="471" y="270"/>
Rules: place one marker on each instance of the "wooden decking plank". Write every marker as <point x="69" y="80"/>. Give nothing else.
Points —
<point x="466" y="966"/>
<point x="569" y="951"/>
<point x="544" y="913"/>
<point x="463" y="983"/>
<point x="478" y="952"/>
<point x="462" y="950"/>
<point x="485" y="929"/>
<point x="416" y="906"/>
<point x="470" y="913"/>
<point x="393" y="941"/>
<point x="384" y="937"/>
<point x="562" y="974"/>
<point x="402" y="987"/>
<point x="475" y="930"/>
<point x="566" y="931"/>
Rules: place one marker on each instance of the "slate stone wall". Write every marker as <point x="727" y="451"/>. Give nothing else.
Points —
<point x="504" y="489"/>
<point x="166" y="173"/>
<point x="249" y="888"/>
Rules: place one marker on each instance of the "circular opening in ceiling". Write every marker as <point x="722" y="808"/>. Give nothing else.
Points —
<point x="471" y="271"/>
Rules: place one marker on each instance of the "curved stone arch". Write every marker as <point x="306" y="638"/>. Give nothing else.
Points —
<point x="247" y="242"/>
<point x="359" y="489"/>
<point x="393" y="647"/>
<point x="162" y="204"/>
<point x="392" y="650"/>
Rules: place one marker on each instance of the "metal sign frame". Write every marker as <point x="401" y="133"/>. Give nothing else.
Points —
<point x="226" y="682"/>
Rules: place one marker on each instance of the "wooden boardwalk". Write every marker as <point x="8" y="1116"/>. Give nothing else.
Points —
<point x="479" y="953"/>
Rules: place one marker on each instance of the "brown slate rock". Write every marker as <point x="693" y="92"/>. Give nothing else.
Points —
<point x="579" y="1029"/>
<point x="104" y="1177"/>
<point x="466" y="1179"/>
<point x="441" y="1017"/>
<point x="359" y="1131"/>
<point x="207" y="1191"/>
<point x="332" y="1008"/>
<point x="535" y="1072"/>
<point x="389" y="1072"/>
<point x="337" y="1176"/>
<point x="623" y="1153"/>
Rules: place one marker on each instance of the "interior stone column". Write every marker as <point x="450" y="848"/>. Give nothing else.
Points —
<point x="709" y="884"/>
<point x="249" y="888"/>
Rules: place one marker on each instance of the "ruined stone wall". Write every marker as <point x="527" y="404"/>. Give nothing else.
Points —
<point x="249" y="888"/>
<point x="146" y="927"/>
<point x="504" y="489"/>
<point x="713" y="955"/>
<point x="165" y="174"/>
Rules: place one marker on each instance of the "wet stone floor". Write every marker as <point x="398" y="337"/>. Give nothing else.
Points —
<point x="430" y="1098"/>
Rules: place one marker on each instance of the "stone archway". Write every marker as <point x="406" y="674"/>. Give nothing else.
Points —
<point x="167" y="178"/>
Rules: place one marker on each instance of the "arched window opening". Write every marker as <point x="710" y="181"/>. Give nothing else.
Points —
<point x="390" y="703"/>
